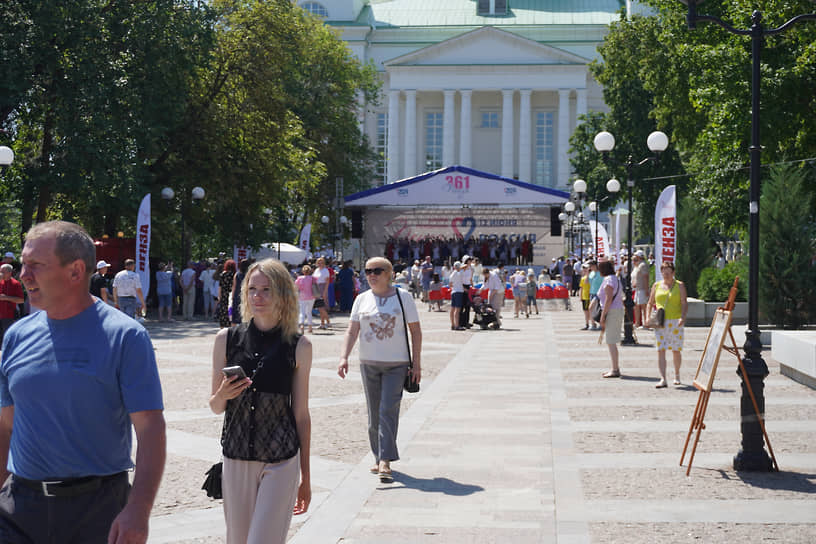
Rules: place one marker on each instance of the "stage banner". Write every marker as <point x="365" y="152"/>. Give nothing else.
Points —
<point x="240" y="253"/>
<point x="304" y="237"/>
<point x="143" y="244"/>
<point x="666" y="227"/>
<point x="601" y="237"/>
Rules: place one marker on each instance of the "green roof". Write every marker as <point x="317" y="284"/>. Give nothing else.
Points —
<point x="424" y="13"/>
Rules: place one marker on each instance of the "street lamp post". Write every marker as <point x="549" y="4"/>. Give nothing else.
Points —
<point x="197" y="194"/>
<point x="580" y="187"/>
<point x="605" y="142"/>
<point x="752" y="455"/>
<point x="612" y="186"/>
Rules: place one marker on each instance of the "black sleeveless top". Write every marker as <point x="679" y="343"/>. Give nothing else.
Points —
<point x="259" y="424"/>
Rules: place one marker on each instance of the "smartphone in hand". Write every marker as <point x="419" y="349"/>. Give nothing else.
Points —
<point x="231" y="371"/>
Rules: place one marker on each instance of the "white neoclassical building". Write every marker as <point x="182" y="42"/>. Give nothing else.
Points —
<point x="493" y="85"/>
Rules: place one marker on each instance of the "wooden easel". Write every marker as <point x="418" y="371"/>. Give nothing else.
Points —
<point x="705" y="388"/>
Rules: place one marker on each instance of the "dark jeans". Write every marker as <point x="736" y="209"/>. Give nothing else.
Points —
<point x="464" y="317"/>
<point x="5" y="323"/>
<point x="29" y="517"/>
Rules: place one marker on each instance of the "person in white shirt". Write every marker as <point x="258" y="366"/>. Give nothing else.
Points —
<point x="457" y="296"/>
<point x="127" y="290"/>
<point x="379" y="317"/>
<point x="188" y="277"/>
<point x="206" y="278"/>
<point x="416" y="278"/>
<point x="495" y="290"/>
<point x="321" y="277"/>
<point x="445" y="274"/>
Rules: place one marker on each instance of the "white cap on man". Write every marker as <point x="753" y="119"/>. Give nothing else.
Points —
<point x="102" y="264"/>
<point x="639" y="253"/>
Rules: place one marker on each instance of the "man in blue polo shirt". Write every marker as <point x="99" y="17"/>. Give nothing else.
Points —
<point x="73" y="379"/>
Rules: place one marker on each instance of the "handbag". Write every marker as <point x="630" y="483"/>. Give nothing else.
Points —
<point x="657" y="319"/>
<point x="598" y="310"/>
<point x="212" y="483"/>
<point x="317" y="292"/>
<point x="410" y="385"/>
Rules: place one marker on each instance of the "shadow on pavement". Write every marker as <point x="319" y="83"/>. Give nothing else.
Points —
<point x="782" y="480"/>
<point x="435" y="485"/>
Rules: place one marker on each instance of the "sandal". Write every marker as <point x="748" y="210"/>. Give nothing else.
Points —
<point x="677" y="381"/>
<point x="612" y="374"/>
<point x="375" y="469"/>
<point x="385" y="474"/>
<point x="661" y="384"/>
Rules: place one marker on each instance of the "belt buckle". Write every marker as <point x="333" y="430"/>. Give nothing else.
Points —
<point x="45" y="488"/>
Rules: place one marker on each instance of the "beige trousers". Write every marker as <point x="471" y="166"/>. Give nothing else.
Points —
<point x="258" y="499"/>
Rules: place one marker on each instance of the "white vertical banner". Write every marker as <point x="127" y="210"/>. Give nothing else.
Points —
<point x="601" y="238"/>
<point x="666" y="227"/>
<point x="305" y="234"/>
<point x="143" y="244"/>
<point x="240" y="253"/>
<point x="617" y="241"/>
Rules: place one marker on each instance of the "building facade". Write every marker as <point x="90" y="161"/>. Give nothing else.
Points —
<point x="494" y="85"/>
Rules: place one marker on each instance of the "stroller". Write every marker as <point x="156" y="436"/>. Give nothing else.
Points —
<point x="484" y="314"/>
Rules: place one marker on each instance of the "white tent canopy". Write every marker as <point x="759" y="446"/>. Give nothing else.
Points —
<point x="457" y="186"/>
<point x="288" y="253"/>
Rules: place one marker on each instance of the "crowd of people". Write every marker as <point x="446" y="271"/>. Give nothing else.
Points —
<point x="260" y="370"/>
<point x="491" y="250"/>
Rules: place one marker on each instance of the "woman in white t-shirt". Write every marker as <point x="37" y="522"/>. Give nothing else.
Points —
<point x="377" y="318"/>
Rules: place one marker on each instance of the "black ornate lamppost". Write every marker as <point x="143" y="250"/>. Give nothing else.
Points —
<point x="752" y="455"/>
<point x="605" y="142"/>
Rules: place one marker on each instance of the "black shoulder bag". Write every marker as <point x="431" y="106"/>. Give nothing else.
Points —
<point x="410" y="385"/>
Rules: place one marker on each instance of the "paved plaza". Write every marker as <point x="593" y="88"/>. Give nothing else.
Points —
<point x="514" y="438"/>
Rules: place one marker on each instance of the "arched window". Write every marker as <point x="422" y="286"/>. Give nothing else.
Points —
<point x="315" y="8"/>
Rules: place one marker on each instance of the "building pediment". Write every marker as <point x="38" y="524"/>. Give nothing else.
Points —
<point x="487" y="46"/>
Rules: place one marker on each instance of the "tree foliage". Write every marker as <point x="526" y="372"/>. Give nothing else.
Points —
<point x="255" y="101"/>
<point x="695" y="245"/>
<point x="695" y="86"/>
<point x="786" y="295"/>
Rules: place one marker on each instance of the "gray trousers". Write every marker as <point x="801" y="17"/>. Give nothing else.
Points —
<point x="29" y="517"/>
<point x="383" y="391"/>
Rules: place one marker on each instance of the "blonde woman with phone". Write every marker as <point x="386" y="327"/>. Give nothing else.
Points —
<point x="265" y="401"/>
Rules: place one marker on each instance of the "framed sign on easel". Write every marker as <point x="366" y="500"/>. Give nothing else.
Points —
<point x="707" y="369"/>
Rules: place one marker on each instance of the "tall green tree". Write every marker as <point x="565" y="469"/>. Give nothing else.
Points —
<point x="271" y="123"/>
<point x="695" y="245"/>
<point x="786" y="294"/>
<point x="630" y="119"/>
<point x="90" y="91"/>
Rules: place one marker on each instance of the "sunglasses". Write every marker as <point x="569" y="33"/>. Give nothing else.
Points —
<point x="376" y="271"/>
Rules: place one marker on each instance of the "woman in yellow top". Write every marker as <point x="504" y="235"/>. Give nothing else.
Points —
<point x="669" y="294"/>
<point x="583" y="286"/>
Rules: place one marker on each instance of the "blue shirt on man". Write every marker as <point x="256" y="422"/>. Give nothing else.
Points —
<point x="73" y="383"/>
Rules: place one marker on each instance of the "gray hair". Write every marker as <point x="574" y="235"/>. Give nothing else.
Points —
<point x="72" y="242"/>
<point x="5" y="267"/>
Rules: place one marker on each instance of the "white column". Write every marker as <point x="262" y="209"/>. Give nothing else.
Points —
<point x="525" y="162"/>
<point x="393" y="136"/>
<point x="507" y="134"/>
<point x="562" y="178"/>
<point x="465" y="129"/>
<point x="410" y="169"/>
<point x="448" y="130"/>
<point x="580" y="103"/>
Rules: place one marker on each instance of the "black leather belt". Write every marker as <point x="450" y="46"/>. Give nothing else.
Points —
<point x="69" y="487"/>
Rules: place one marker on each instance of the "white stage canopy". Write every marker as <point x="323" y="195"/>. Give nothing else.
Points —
<point x="280" y="250"/>
<point x="457" y="186"/>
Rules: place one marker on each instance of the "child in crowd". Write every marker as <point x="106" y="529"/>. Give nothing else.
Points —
<point x="532" y="290"/>
<point x="435" y="294"/>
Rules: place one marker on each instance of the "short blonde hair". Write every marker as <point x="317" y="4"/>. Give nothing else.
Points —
<point x="384" y="263"/>
<point x="283" y="292"/>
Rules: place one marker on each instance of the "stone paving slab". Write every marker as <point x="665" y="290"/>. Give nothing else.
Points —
<point x="515" y="438"/>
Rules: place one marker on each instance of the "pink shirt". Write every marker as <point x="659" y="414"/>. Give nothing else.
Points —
<point x="304" y="285"/>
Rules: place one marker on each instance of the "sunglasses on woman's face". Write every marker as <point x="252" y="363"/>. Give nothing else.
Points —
<point x="376" y="271"/>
